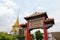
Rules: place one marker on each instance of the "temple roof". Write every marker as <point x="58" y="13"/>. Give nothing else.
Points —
<point x="23" y="25"/>
<point x="36" y="15"/>
<point x="49" y="21"/>
<point x="16" y="23"/>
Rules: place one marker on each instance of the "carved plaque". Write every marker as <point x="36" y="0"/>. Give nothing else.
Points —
<point x="35" y="23"/>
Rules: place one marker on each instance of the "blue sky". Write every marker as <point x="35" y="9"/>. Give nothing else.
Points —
<point x="9" y="10"/>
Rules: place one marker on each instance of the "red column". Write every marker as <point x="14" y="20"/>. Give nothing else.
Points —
<point x="45" y="30"/>
<point x="27" y="32"/>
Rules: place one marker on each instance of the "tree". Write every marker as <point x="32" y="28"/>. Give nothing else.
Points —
<point x="6" y="37"/>
<point x="20" y="37"/>
<point x="32" y="37"/>
<point x="38" y="35"/>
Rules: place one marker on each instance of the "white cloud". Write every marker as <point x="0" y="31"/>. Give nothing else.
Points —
<point x="42" y="8"/>
<point x="57" y="21"/>
<point x="10" y="3"/>
<point x="6" y="7"/>
<point x="7" y="13"/>
<point x="5" y="10"/>
<point x="26" y="14"/>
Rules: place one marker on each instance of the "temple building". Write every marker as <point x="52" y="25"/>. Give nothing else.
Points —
<point x="34" y="21"/>
<point x="18" y="29"/>
<point x="15" y="27"/>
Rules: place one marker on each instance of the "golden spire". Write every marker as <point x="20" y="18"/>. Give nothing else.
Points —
<point x="17" y="22"/>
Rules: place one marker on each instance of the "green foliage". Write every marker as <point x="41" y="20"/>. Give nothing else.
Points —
<point x="6" y="37"/>
<point x="38" y="35"/>
<point x="11" y="37"/>
<point x="32" y="37"/>
<point x="20" y="37"/>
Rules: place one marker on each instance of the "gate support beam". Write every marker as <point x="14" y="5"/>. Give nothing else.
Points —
<point x="45" y="30"/>
<point x="27" y="32"/>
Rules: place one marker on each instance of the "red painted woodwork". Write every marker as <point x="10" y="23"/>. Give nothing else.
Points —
<point x="27" y="32"/>
<point x="45" y="30"/>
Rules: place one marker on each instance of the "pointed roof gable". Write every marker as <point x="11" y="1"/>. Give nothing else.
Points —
<point x="16" y="23"/>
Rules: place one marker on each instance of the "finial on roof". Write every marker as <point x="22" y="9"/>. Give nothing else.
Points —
<point x="17" y="21"/>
